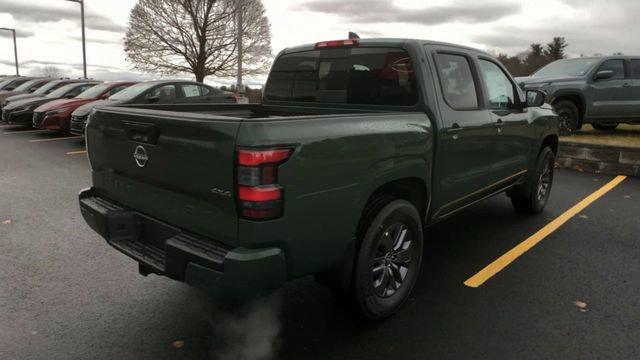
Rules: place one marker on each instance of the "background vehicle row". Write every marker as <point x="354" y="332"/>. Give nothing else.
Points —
<point x="63" y="105"/>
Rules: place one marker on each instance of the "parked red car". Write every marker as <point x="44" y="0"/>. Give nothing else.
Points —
<point x="56" y="115"/>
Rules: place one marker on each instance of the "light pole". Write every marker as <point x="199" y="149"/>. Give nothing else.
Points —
<point x="84" y="49"/>
<point x="15" y="47"/>
<point x="239" y="9"/>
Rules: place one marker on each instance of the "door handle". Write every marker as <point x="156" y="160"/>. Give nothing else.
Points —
<point x="455" y="128"/>
<point x="626" y="85"/>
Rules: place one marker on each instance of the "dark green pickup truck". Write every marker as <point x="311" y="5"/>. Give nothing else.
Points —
<point x="358" y="145"/>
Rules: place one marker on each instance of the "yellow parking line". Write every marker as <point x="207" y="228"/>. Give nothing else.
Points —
<point x="503" y="261"/>
<point x="23" y="131"/>
<point x="77" y="152"/>
<point x="55" y="139"/>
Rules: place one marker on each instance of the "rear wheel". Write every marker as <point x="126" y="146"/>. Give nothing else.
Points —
<point x="388" y="261"/>
<point x="605" y="127"/>
<point x="569" y="117"/>
<point x="532" y="196"/>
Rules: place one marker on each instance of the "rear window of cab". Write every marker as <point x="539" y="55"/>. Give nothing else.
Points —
<point x="366" y="76"/>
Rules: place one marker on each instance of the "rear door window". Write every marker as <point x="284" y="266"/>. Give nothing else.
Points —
<point x="456" y="79"/>
<point x="367" y="76"/>
<point x="190" y="90"/>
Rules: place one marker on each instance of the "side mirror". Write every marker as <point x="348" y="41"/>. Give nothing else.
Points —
<point x="535" y="98"/>
<point x="104" y="96"/>
<point x="603" y="75"/>
<point x="153" y="99"/>
<point x="69" y="96"/>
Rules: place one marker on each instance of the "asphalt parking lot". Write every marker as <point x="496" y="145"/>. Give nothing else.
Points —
<point x="65" y="294"/>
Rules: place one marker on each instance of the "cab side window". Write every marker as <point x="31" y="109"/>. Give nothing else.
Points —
<point x="35" y="87"/>
<point x="456" y="79"/>
<point x="77" y="90"/>
<point x="55" y="87"/>
<point x="163" y="94"/>
<point x="500" y="90"/>
<point x="117" y="89"/>
<point x="615" y="65"/>
<point x="635" y="65"/>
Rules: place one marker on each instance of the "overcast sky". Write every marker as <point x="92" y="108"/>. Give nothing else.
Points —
<point x="49" y="30"/>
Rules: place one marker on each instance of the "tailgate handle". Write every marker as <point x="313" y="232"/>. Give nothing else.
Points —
<point x="141" y="132"/>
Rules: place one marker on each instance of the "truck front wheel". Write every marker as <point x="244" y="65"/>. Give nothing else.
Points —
<point x="532" y="196"/>
<point x="569" y="115"/>
<point x="388" y="261"/>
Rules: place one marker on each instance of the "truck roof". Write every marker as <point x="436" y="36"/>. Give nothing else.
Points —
<point x="389" y="42"/>
<point x="604" y="57"/>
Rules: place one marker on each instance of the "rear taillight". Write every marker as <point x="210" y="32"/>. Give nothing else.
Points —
<point x="260" y="197"/>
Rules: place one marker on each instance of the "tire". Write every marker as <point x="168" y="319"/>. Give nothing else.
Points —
<point x="605" y="127"/>
<point x="533" y="195"/>
<point x="569" y="117"/>
<point x="388" y="260"/>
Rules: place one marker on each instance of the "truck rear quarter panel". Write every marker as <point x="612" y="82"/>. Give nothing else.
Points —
<point x="338" y="162"/>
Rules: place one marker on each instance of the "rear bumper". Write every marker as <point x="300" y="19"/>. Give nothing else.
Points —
<point x="166" y="250"/>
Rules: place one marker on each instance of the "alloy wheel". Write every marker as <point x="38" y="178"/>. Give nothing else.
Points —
<point x="392" y="260"/>
<point x="544" y="182"/>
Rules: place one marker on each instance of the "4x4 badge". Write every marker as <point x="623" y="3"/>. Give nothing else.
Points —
<point x="140" y="156"/>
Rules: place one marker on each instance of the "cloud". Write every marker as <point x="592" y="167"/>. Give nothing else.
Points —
<point x="384" y="11"/>
<point x="100" y="41"/>
<point x="19" y="34"/>
<point x="598" y="27"/>
<point x="29" y="12"/>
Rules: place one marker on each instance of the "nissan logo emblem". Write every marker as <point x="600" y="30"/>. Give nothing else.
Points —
<point x="140" y="156"/>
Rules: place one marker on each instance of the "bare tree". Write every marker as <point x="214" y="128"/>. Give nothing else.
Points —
<point x="197" y="36"/>
<point x="49" y="71"/>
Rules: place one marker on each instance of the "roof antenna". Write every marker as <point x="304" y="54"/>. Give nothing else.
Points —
<point x="353" y="36"/>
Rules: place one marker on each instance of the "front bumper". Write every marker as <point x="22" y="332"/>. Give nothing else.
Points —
<point x="78" y="124"/>
<point x="50" y="122"/>
<point x="166" y="250"/>
<point x="38" y="118"/>
<point x="17" y="117"/>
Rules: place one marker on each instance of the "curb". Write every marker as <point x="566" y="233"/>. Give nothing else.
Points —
<point x="599" y="159"/>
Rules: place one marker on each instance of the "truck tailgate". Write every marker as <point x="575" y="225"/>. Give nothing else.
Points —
<point x="176" y="167"/>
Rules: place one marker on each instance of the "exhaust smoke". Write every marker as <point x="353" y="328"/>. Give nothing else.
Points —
<point x="246" y="330"/>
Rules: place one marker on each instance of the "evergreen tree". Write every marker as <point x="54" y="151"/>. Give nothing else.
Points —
<point x="555" y="49"/>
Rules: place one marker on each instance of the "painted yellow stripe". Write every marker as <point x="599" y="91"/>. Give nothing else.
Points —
<point x="22" y="132"/>
<point x="77" y="152"/>
<point x="506" y="259"/>
<point x="55" y="139"/>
